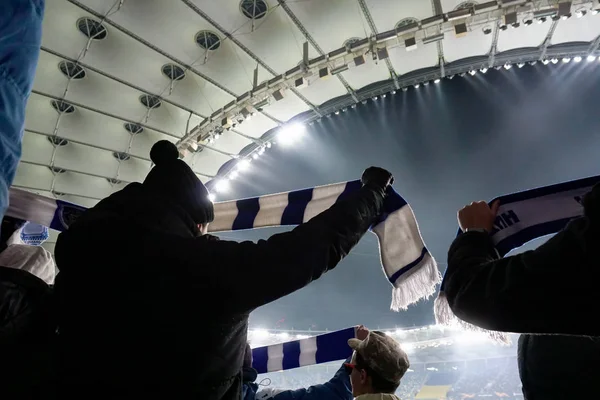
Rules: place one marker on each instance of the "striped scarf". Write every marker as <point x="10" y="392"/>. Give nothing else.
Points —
<point x="522" y="217"/>
<point x="407" y="264"/>
<point x="303" y="352"/>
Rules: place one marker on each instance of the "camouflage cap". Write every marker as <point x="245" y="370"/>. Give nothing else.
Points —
<point x="383" y="355"/>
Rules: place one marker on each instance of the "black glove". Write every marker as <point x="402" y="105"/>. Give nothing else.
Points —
<point x="377" y="178"/>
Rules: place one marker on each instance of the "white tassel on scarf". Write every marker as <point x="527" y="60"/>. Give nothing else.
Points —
<point x="523" y="217"/>
<point x="407" y="264"/>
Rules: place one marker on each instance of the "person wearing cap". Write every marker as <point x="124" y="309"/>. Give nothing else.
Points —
<point x="337" y="388"/>
<point x="149" y="305"/>
<point x="378" y="364"/>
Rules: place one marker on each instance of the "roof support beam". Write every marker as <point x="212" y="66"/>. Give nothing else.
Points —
<point x="436" y="7"/>
<point x="107" y="114"/>
<point x="494" y="48"/>
<point x="246" y="50"/>
<point x="548" y="39"/>
<point x="375" y="31"/>
<point x="73" y="170"/>
<point x="130" y="121"/>
<point x="314" y="44"/>
<point x="57" y="194"/>
<point x="122" y="82"/>
<point x="594" y="45"/>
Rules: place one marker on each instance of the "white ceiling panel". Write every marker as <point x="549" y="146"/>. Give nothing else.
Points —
<point x="387" y="13"/>
<point x="288" y="107"/>
<point x="475" y="43"/>
<point x="523" y="36"/>
<point x="173" y="26"/>
<point x="36" y="149"/>
<point x="144" y="36"/>
<point x="405" y="61"/>
<point x="275" y="40"/>
<point x="366" y="74"/>
<point x="208" y="162"/>
<point x="321" y="90"/>
<point x="34" y="176"/>
<point x="232" y="144"/>
<point x="574" y="29"/>
<point x="256" y="127"/>
<point x="321" y="18"/>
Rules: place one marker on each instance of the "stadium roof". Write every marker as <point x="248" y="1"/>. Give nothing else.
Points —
<point x="114" y="77"/>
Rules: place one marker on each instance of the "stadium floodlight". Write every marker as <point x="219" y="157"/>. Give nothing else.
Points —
<point x="545" y="62"/>
<point x="577" y="59"/>
<point x="437" y="80"/>
<point x="243" y="165"/>
<point x="212" y="197"/>
<point x="472" y="72"/>
<point x="591" y="58"/>
<point x="566" y="60"/>
<point x="483" y="70"/>
<point x="233" y="175"/>
<point x="507" y="66"/>
<point x="222" y="185"/>
<point x="291" y="133"/>
<point x="554" y="61"/>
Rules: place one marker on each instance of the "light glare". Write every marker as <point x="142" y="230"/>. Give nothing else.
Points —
<point x="290" y="134"/>
<point x="222" y="186"/>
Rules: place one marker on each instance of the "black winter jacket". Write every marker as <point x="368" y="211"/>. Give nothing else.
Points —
<point x="148" y="307"/>
<point x="27" y="328"/>
<point x="550" y="290"/>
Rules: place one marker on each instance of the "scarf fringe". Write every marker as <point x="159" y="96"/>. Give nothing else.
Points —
<point x="419" y="283"/>
<point x="445" y="316"/>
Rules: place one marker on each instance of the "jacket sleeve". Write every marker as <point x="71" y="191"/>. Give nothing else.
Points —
<point x="337" y="388"/>
<point x="547" y="290"/>
<point x="254" y="274"/>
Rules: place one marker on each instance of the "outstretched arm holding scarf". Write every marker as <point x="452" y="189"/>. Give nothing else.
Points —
<point x="548" y="290"/>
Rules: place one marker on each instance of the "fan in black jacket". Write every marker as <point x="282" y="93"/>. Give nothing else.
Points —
<point x="151" y="307"/>
<point x="550" y="290"/>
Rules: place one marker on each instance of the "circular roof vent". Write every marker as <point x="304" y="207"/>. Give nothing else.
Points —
<point x="121" y="156"/>
<point x="150" y="101"/>
<point x="173" y="72"/>
<point x="348" y="43"/>
<point x="466" y="5"/>
<point x="57" y="141"/>
<point x="406" y="21"/>
<point x="71" y="70"/>
<point x="113" y="181"/>
<point x="91" y="28"/>
<point x="254" y="9"/>
<point x="208" y="40"/>
<point x="57" y="170"/>
<point x="62" y="106"/>
<point x="132" y="128"/>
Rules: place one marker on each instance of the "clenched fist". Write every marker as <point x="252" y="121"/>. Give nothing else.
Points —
<point x="478" y="215"/>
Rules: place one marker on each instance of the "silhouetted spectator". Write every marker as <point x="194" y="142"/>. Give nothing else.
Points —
<point x="152" y="307"/>
<point x="550" y="290"/>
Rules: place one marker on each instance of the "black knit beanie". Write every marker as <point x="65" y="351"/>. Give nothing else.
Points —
<point x="174" y="179"/>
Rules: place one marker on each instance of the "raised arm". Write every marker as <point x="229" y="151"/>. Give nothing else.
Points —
<point x="548" y="290"/>
<point x="289" y="261"/>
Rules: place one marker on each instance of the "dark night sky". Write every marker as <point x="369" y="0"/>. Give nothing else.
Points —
<point x="448" y="144"/>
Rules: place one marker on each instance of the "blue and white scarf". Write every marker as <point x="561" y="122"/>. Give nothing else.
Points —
<point x="303" y="352"/>
<point x="407" y="264"/>
<point x="522" y="217"/>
